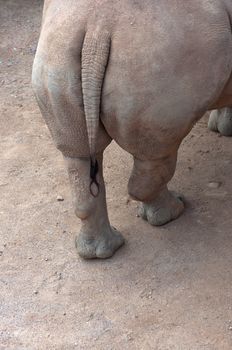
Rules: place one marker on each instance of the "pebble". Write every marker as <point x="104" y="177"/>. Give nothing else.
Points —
<point x="129" y="337"/>
<point x="214" y="184"/>
<point x="59" y="198"/>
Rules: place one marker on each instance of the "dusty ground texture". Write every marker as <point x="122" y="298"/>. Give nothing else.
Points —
<point x="168" y="288"/>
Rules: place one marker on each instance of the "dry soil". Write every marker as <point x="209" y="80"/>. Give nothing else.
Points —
<point x="168" y="288"/>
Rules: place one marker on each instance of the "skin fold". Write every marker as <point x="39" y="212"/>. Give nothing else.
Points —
<point x="141" y="73"/>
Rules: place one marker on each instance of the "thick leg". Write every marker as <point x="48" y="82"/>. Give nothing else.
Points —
<point x="58" y="91"/>
<point x="148" y="184"/>
<point x="221" y="121"/>
<point x="97" y="239"/>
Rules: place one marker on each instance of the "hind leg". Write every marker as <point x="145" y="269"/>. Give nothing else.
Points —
<point x="148" y="184"/>
<point x="221" y="121"/>
<point x="97" y="239"/>
<point x="58" y="92"/>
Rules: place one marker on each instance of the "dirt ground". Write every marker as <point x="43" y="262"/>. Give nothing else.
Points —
<point x="168" y="288"/>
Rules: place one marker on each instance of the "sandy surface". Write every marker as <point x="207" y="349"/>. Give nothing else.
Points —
<point x="167" y="288"/>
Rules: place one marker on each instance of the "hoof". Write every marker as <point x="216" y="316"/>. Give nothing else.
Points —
<point x="213" y="121"/>
<point x="163" y="210"/>
<point x="102" y="247"/>
<point x="221" y="121"/>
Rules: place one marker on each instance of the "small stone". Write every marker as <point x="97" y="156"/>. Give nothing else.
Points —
<point x="129" y="337"/>
<point x="91" y="316"/>
<point x="36" y="292"/>
<point x="214" y="184"/>
<point x="59" y="198"/>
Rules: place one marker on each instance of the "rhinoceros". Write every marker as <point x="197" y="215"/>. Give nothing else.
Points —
<point x="140" y="72"/>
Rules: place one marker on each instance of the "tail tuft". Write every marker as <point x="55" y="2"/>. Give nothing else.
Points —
<point x="93" y="176"/>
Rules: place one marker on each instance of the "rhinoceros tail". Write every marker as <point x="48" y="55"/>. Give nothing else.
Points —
<point x="95" y="55"/>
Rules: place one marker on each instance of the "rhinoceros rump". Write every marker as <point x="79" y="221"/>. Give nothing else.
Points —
<point x="141" y="73"/>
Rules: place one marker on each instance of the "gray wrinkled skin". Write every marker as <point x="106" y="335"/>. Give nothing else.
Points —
<point x="221" y="121"/>
<point x="141" y="73"/>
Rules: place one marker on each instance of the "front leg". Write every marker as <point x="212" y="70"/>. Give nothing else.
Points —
<point x="97" y="239"/>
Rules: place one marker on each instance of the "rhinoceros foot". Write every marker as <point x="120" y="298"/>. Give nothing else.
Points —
<point x="166" y="207"/>
<point x="102" y="246"/>
<point x="221" y="121"/>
